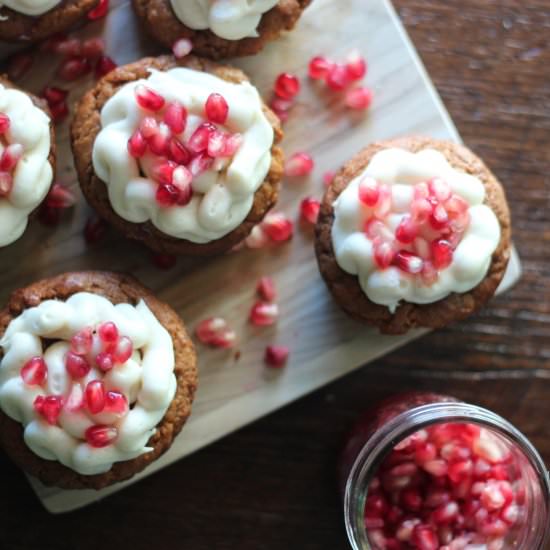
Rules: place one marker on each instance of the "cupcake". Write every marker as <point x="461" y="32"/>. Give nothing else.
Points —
<point x="27" y="158"/>
<point x="180" y="155"/>
<point x="30" y="21"/>
<point x="413" y="232"/>
<point x="97" y="378"/>
<point x="219" y="28"/>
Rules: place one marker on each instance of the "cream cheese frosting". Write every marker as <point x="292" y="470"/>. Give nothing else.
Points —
<point x="30" y="7"/>
<point x="229" y="19"/>
<point x="222" y="195"/>
<point x="402" y="170"/>
<point x="33" y="174"/>
<point x="146" y="379"/>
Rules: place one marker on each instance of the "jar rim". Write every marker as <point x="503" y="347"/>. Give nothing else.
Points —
<point x="409" y="422"/>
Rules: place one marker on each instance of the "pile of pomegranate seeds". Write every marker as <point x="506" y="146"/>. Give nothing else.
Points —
<point x="160" y="133"/>
<point x="340" y="76"/>
<point x="447" y="487"/>
<point x="102" y="347"/>
<point x="215" y="332"/>
<point x="299" y="165"/>
<point x="424" y="241"/>
<point x="9" y="158"/>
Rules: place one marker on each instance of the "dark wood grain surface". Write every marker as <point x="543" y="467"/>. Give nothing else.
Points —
<point x="271" y="485"/>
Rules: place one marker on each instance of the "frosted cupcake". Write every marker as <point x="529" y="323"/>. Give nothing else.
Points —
<point x="413" y="232"/>
<point x="97" y="378"/>
<point x="33" y="20"/>
<point x="27" y="158"/>
<point x="219" y="28"/>
<point x="181" y="156"/>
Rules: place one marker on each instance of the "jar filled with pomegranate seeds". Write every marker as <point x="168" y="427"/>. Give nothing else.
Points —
<point x="422" y="471"/>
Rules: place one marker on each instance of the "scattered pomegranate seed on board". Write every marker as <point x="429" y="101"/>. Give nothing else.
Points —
<point x="276" y="356"/>
<point x="328" y="176"/>
<point x="266" y="289"/>
<point x="319" y="67"/>
<point x="277" y="227"/>
<point x="103" y="66"/>
<point x="359" y="98"/>
<point x="60" y="197"/>
<point x="59" y="111"/>
<point x="337" y="78"/>
<point x="298" y="165"/>
<point x="54" y="95"/>
<point x="68" y="47"/>
<point x="257" y="238"/>
<point x="99" y="11"/>
<point x="215" y="332"/>
<point x="182" y="48"/>
<point x="264" y="314"/>
<point x="287" y="86"/>
<point x="309" y="210"/>
<point x="356" y="66"/>
<point x="73" y="68"/>
<point x="92" y="47"/>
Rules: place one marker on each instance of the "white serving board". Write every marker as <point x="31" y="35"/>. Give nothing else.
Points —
<point x="324" y="343"/>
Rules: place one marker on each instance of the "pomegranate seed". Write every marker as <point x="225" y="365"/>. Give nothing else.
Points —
<point x="421" y="210"/>
<point x="488" y="449"/>
<point x="99" y="11"/>
<point x="405" y="531"/>
<point x="198" y="142"/>
<point x="359" y="99"/>
<point x="337" y="78"/>
<point x="461" y="469"/>
<point x="328" y="176"/>
<point x="73" y="68"/>
<point x="177" y="152"/>
<point x="215" y="332"/>
<point x="216" y="108"/>
<point x="181" y="180"/>
<point x="104" y="65"/>
<point x="266" y="289"/>
<point x="319" y="67"/>
<point x="264" y="314"/>
<point x="216" y="144"/>
<point x="99" y="436"/>
<point x="377" y="539"/>
<point x="309" y="210"/>
<point x="276" y="356"/>
<point x="123" y="350"/>
<point x="54" y="95"/>
<point x="148" y="127"/>
<point x="408" y="262"/>
<point x="115" y="402"/>
<point x="19" y="64"/>
<point x="510" y="514"/>
<point x="94" y="230"/>
<point x="439" y="217"/>
<point x="159" y="142"/>
<point x="49" y="407"/>
<point x="10" y="157"/>
<point x="95" y="396"/>
<point x="446" y="513"/>
<point x="356" y="65"/>
<point x="59" y="111"/>
<point x="278" y="227"/>
<point x="411" y="499"/>
<point x="104" y="361"/>
<point x="164" y="261"/>
<point x="199" y="164"/>
<point x="108" y="333"/>
<point x="163" y="172"/>
<point x="287" y="86"/>
<point x="167" y="195"/>
<point x="93" y="47"/>
<point x="69" y="47"/>
<point x="384" y="254"/>
<point x="299" y="164"/>
<point x="257" y="238"/>
<point x="436" y="467"/>
<point x="4" y="123"/>
<point x="182" y="48"/>
<point x="6" y="184"/>
<point x="82" y="341"/>
<point x="76" y="365"/>
<point x="281" y="106"/>
<point x="442" y="254"/>
<point x="233" y="143"/>
<point x="34" y="371"/>
<point x="424" y="538"/>
<point x="60" y="197"/>
<point x="175" y="117"/>
<point x="369" y="191"/>
<point x="439" y="189"/>
<point x="148" y="99"/>
<point x="75" y="400"/>
<point x="373" y="523"/>
<point x="407" y="230"/>
<point x="137" y="145"/>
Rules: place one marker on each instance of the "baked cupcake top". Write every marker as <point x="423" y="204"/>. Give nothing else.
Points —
<point x="414" y="228"/>
<point x="25" y="169"/>
<point x="229" y="19"/>
<point x="184" y="150"/>
<point x="30" y="7"/>
<point x="88" y="380"/>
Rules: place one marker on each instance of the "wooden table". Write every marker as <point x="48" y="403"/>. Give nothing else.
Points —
<point x="271" y="485"/>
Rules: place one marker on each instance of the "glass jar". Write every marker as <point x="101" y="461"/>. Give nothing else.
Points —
<point x="383" y="427"/>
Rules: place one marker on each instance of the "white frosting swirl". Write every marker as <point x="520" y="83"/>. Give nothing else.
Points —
<point x="32" y="177"/>
<point x="146" y="379"/>
<point x="222" y="199"/>
<point x="402" y="170"/>
<point x="30" y="7"/>
<point x="229" y="19"/>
